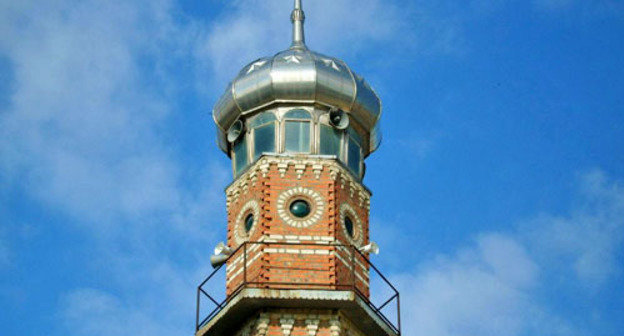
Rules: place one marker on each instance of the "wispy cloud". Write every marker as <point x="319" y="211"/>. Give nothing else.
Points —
<point x="84" y="124"/>
<point x="482" y="290"/>
<point x="586" y="242"/>
<point x="495" y="285"/>
<point x="250" y="29"/>
<point x="85" y="133"/>
<point x="80" y="127"/>
<point x="93" y="312"/>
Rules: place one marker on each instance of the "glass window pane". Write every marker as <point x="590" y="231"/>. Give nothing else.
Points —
<point x="264" y="140"/>
<point x="298" y="114"/>
<point x="354" y="157"/>
<point x="354" y="135"/>
<point x="261" y="119"/>
<point x="330" y="141"/>
<point x="240" y="156"/>
<point x="297" y="136"/>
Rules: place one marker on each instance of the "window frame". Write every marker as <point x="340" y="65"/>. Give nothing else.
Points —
<point x="311" y="129"/>
<point x="352" y="136"/>
<point x="237" y="172"/>
<point x="341" y="140"/>
<point x="252" y="130"/>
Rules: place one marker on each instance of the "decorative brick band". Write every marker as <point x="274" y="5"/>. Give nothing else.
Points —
<point x="276" y="238"/>
<point x="235" y="268"/>
<point x="301" y="322"/>
<point x="316" y="165"/>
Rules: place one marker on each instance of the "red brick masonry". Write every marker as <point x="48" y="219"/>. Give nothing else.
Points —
<point x="326" y="259"/>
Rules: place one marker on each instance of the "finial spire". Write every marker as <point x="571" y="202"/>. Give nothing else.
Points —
<point x="298" y="17"/>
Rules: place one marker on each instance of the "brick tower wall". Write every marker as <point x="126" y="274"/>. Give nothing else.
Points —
<point x="276" y="259"/>
<point x="281" y="322"/>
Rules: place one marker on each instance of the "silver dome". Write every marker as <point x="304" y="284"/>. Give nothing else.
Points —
<point x="300" y="76"/>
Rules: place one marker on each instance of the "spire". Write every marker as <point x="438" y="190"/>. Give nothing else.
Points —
<point x="298" y="17"/>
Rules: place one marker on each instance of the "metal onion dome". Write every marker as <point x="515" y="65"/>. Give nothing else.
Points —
<point x="299" y="76"/>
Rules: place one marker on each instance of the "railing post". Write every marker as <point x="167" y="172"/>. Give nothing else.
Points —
<point x="245" y="264"/>
<point x="335" y="285"/>
<point x="399" y="312"/>
<point x="197" y="312"/>
<point x="353" y="267"/>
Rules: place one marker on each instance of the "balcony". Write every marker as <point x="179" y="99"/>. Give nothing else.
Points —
<point x="258" y="275"/>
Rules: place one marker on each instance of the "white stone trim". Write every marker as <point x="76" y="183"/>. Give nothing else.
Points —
<point x="239" y="259"/>
<point x="235" y="268"/>
<point x="350" y="268"/>
<point x="263" y="324"/>
<point x="284" y="163"/>
<point x="312" y="325"/>
<point x="347" y="264"/>
<point x="317" y="205"/>
<point x="240" y="235"/>
<point x="287" y="323"/>
<point x="335" y="326"/>
<point x="358" y="227"/>
<point x="275" y="238"/>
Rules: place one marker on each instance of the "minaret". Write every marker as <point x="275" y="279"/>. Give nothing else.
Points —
<point x="297" y="127"/>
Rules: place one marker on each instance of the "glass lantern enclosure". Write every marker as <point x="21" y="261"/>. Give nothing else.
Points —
<point x="296" y="131"/>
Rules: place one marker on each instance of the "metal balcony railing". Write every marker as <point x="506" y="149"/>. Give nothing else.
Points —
<point x="212" y="290"/>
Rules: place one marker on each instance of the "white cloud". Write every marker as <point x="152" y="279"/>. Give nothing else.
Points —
<point x="254" y="28"/>
<point x="482" y="290"/>
<point x="145" y="293"/>
<point x="145" y="296"/>
<point x="93" y="312"/>
<point x="79" y="126"/>
<point x="386" y="31"/>
<point x="84" y="134"/>
<point x="588" y="239"/>
<point x="496" y="286"/>
<point x="84" y="127"/>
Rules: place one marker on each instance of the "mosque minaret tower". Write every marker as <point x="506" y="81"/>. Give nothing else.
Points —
<point x="297" y="127"/>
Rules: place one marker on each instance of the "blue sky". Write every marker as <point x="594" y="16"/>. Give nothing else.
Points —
<point x="498" y="189"/>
